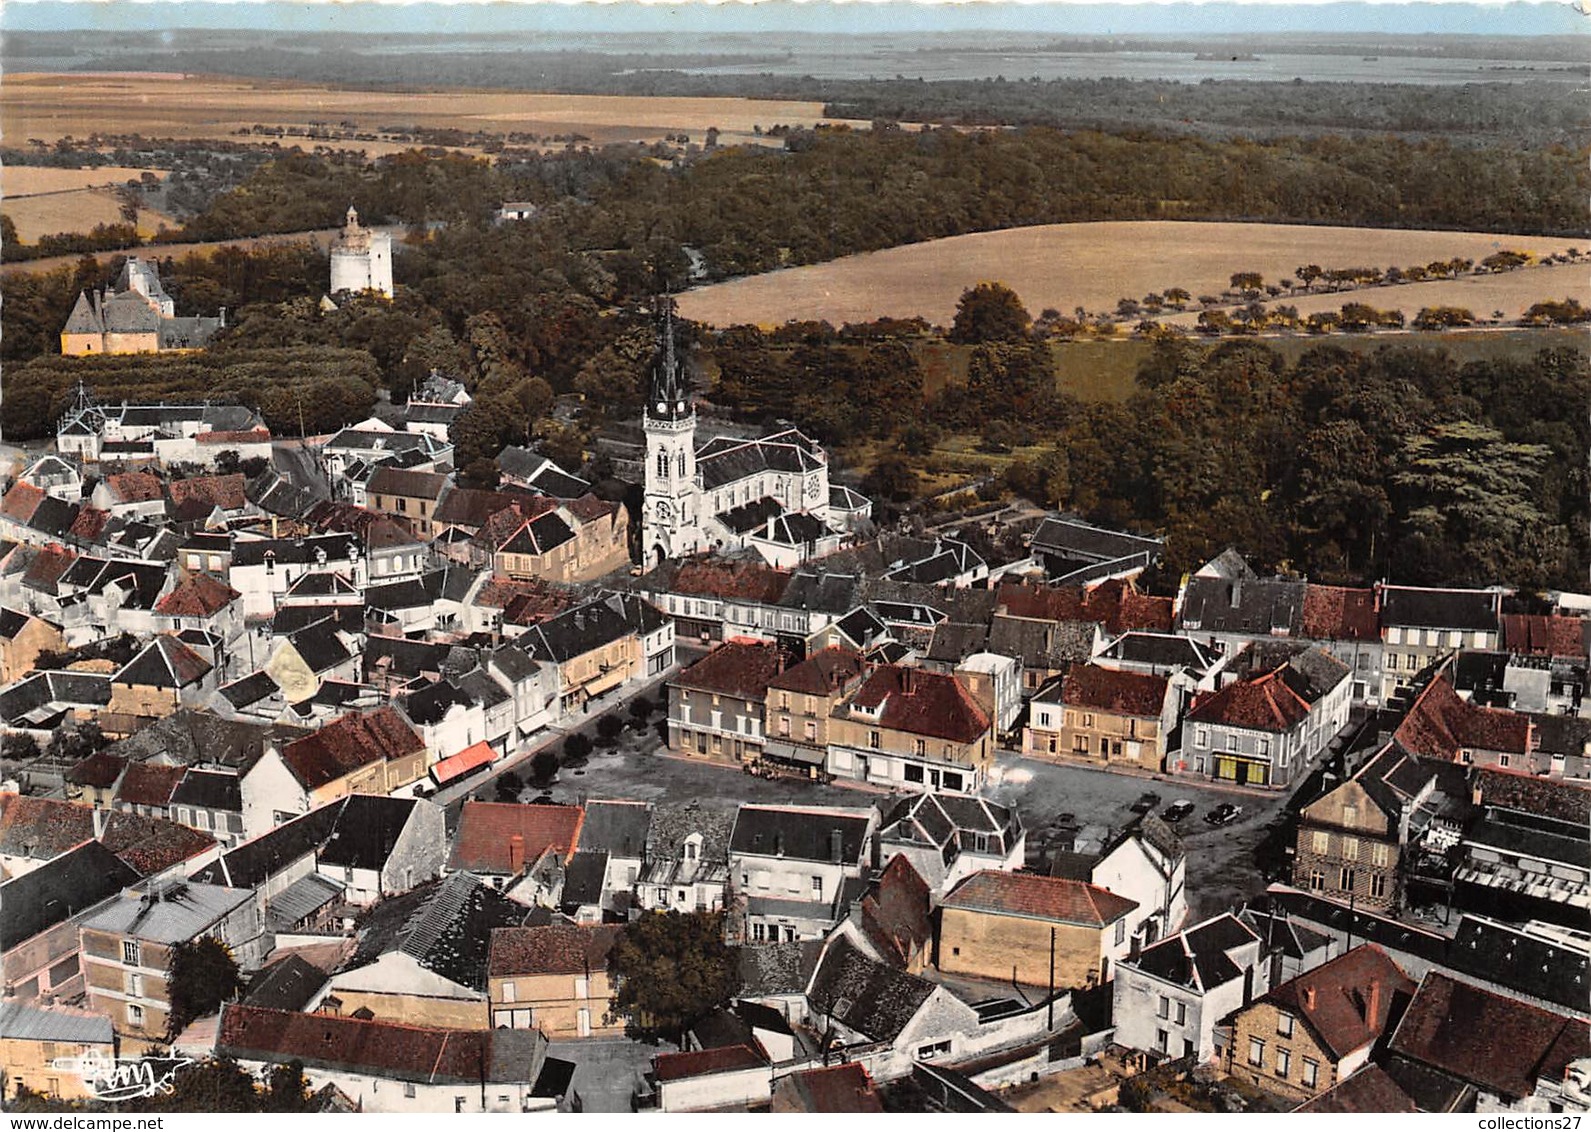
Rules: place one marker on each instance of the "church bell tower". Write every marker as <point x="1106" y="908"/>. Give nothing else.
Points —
<point x="671" y="515"/>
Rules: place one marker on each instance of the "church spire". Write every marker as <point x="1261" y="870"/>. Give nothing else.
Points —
<point x="668" y="395"/>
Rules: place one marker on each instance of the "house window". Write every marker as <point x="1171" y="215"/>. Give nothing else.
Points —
<point x="757" y="933"/>
<point x="873" y="740"/>
<point x="1284" y="1025"/>
<point x="919" y="747"/>
<point x="1256" y="1053"/>
<point x="131" y="953"/>
<point x="951" y="781"/>
<point x="1317" y="880"/>
<point x="135" y="985"/>
<point x="1284" y="1062"/>
<point x="1121" y="932"/>
<point x="509" y="992"/>
<point x="1163" y="1009"/>
<point x="1502" y="759"/>
<point x="1162" y="1040"/>
<point x="1350" y="849"/>
<point x="1182" y="1014"/>
<point x="817" y="888"/>
<point x="408" y="1088"/>
<point x="811" y="731"/>
<point x="1088" y="720"/>
<point x="135" y="1015"/>
<point x="1311" y="1072"/>
<point x="1378" y="885"/>
<point x="1201" y="736"/>
<point x="1350" y="816"/>
<point x="934" y="1050"/>
<point x="1320" y="842"/>
<point x="1345" y="880"/>
<point x="1378" y="855"/>
<point x="1265" y="746"/>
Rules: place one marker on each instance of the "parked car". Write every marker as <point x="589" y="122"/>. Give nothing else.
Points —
<point x="1224" y="814"/>
<point x="1145" y="803"/>
<point x="1178" y="810"/>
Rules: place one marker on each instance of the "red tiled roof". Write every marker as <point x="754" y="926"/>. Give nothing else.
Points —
<point x="739" y="667"/>
<point x="678" y="1066"/>
<point x="923" y="703"/>
<point x="89" y="524"/>
<point x="1345" y="1002"/>
<point x="42" y="827"/>
<point x="1440" y="725"/>
<point x="822" y="673"/>
<point x="234" y="436"/>
<point x="715" y="577"/>
<point x="589" y="508"/>
<point x="1115" y="604"/>
<point x="482" y="844"/>
<point x="99" y="769"/>
<point x="835" y="1088"/>
<point x="553" y="949"/>
<point x="1332" y="613"/>
<point x="1527" y="793"/>
<point x="895" y="913"/>
<point x="21" y="501"/>
<point x="531" y="598"/>
<point x="152" y="845"/>
<point x="388" y="1049"/>
<point x="198" y="595"/>
<point x="146" y="784"/>
<point x="346" y="744"/>
<point x="225" y="492"/>
<point x="1106" y="689"/>
<point x="1370" y="1090"/>
<point x="47" y="566"/>
<point x="1544" y="636"/>
<point x="471" y="507"/>
<point x="1040" y="898"/>
<point x="1499" y="1043"/>
<point x="134" y="487"/>
<point x="1262" y="703"/>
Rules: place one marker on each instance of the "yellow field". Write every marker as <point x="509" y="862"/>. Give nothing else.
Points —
<point x="28" y="180"/>
<point x="51" y="106"/>
<point x="75" y="211"/>
<point x="1065" y="266"/>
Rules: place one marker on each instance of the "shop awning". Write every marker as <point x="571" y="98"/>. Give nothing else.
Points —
<point x="790" y="753"/>
<point x="457" y="766"/>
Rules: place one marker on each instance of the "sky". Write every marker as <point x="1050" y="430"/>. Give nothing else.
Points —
<point x="1093" y="17"/>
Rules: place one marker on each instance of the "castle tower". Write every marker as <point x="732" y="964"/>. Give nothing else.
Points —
<point x="671" y="510"/>
<point x="361" y="260"/>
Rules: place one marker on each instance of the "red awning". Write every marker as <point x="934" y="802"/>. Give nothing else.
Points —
<point x="457" y="766"/>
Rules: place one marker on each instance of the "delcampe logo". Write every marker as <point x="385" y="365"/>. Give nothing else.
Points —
<point x="112" y="1079"/>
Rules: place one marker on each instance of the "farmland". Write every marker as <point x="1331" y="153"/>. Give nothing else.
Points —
<point x="49" y="107"/>
<point x="74" y="210"/>
<point x="1092" y="265"/>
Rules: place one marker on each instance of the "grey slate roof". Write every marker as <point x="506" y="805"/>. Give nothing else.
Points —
<point x="869" y="997"/>
<point x="1439" y="609"/>
<point x="618" y="828"/>
<point x="583" y="875"/>
<point x="367" y="831"/>
<point x="26" y="1021"/>
<point x="288" y="984"/>
<point x="778" y="968"/>
<point x="58" y="890"/>
<point x="444" y="925"/>
<point x="797" y="834"/>
<point x="1198" y="957"/>
<point x="1259" y="606"/>
<point x="168" y="914"/>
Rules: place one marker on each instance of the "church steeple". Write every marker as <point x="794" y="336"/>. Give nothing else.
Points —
<point x="668" y="397"/>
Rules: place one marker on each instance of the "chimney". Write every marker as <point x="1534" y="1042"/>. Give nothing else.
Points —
<point x="778" y="844"/>
<point x="907" y="680"/>
<point x="1372" y="1002"/>
<point x="836" y="846"/>
<point x="1309" y="998"/>
<point x="1237" y="593"/>
<point x="100" y="822"/>
<point x="770" y="527"/>
<point x="516" y="854"/>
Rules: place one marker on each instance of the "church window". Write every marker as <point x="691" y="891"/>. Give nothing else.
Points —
<point x="662" y="464"/>
<point x="682" y="461"/>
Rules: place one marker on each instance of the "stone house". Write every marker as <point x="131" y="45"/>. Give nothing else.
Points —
<point x="373" y="752"/>
<point x="1269" y="726"/>
<point x="22" y="638"/>
<point x="1306" y="1035"/>
<point x="1001" y="926"/>
<point x="800" y="702"/>
<point x="409" y="497"/>
<point x="33" y="1039"/>
<point x="687" y="858"/>
<point x="1170" y="997"/>
<point x="716" y="706"/>
<point x="594" y="646"/>
<point x="1420" y="626"/>
<point x="796" y="868"/>
<point x="162" y="677"/>
<point x="948" y="837"/>
<point x="126" y="948"/>
<point x="1103" y="717"/>
<point x="554" y="979"/>
<point x="503" y="843"/>
<point x="910" y="729"/>
<point x="39" y="938"/>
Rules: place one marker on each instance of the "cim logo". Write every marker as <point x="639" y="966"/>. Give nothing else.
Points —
<point x="110" y="1079"/>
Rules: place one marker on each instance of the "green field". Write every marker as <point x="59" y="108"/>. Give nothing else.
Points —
<point x="1105" y="370"/>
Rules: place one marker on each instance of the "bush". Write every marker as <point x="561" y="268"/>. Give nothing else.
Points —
<point x="640" y="708"/>
<point x="576" y="749"/>
<point x="544" y="764"/>
<point x="509" y="786"/>
<point x="609" y="728"/>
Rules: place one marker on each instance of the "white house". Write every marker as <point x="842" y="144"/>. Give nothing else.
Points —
<point x="1171" y="996"/>
<point x="791" y="863"/>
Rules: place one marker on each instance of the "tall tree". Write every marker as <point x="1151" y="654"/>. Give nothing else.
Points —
<point x="201" y="977"/>
<point x="990" y="312"/>
<point x="673" y="969"/>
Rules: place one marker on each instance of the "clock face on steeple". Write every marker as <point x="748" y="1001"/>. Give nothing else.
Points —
<point x="665" y="511"/>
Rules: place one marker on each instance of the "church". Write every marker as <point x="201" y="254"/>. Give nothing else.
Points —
<point x="361" y="258"/>
<point x="771" y="495"/>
